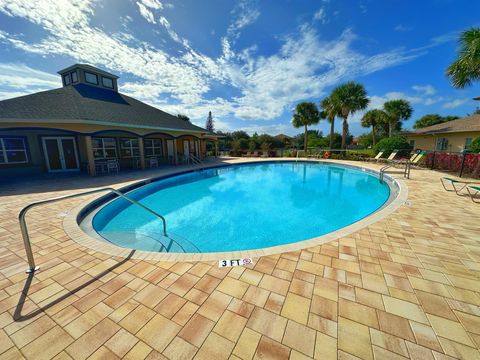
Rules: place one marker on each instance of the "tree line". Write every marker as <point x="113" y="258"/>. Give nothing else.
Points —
<point x="345" y="100"/>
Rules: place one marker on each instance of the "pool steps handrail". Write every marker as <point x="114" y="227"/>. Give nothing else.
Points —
<point x="172" y="240"/>
<point x="23" y="225"/>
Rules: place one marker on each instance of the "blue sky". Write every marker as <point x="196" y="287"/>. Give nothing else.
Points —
<point x="249" y="62"/>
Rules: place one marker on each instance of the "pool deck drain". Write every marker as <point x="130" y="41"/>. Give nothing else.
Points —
<point x="406" y="286"/>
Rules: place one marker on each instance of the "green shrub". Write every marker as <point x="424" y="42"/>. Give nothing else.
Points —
<point x="390" y="144"/>
<point x="475" y="146"/>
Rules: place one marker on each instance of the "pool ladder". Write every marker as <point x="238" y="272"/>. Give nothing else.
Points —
<point x="23" y="225"/>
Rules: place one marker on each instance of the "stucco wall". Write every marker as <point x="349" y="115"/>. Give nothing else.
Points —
<point x="456" y="141"/>
<point x="33" y="134"/>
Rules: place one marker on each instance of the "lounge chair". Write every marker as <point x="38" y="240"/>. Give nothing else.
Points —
<point x="391" y="157"/>
<point x="473" y="191"/>
<point x="255" y="154"/>
<point x="376" y="158"/>
<point x="461" y="184"/>
<point x="414" y="160"/>
<point x="248" y="154"/>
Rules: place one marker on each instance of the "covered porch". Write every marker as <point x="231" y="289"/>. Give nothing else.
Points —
<point x="98" y="151"/>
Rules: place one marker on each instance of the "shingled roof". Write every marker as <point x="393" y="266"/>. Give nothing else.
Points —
<point x="82" y="103"/>
<point x="466" y="124"/>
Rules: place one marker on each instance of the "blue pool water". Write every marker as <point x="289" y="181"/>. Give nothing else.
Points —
<point x="242" y="207"/>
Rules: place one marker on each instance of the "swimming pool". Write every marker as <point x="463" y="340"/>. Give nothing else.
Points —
<point x="242" y="207"/>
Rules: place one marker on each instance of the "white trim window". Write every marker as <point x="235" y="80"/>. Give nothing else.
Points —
<point x="13" y="150"/>
<point x="66" y="79"/>
<point x="74" y="77"/>
<point x="104" y="148"/>
<point x="91" y="78"/>
<point x="468" y="142"/>
<point x="107" y="82"/>
<point x="129" y="147"/>
<point x="442" y="144"/>
<point x="153" y="147"/>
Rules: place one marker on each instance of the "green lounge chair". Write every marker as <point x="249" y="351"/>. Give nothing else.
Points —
<point x="456" y="185"/>
<point x="390" y="158"/>
<point x="473" y="191"/>
<point x="376" y="158"/>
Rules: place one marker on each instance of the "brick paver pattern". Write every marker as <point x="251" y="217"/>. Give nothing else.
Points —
<point x="407" y="286"/>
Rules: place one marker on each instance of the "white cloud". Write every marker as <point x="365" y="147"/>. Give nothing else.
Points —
<point x="244" y="13"/>
<point x="20" y="76"/>
<point x="320" y="15"/>
<point x="425" y="89"/>
<point x="19" y="79"/>
<point x="455" y="103"/>
<point x="146" y="12"/>
<point x="153" y="4"/>
<point x="402" y="28"/>
<point x="265" y="86"/>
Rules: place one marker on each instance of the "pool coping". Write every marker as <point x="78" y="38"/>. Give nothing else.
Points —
<point x="76" y="233"/>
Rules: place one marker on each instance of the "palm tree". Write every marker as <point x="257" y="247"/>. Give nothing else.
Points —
<point x="329" y="111"/>
<point x="349" y="98"/>
<point x="372" y="118"/>
<point x="466" y="68"/>
<point x="305" y="114"/>
<point x="397" y="111"/>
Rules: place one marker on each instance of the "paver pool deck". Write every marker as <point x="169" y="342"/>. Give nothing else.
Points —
<point x="407" y="286"/>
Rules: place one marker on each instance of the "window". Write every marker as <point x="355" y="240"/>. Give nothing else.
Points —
<point x="468" y="142"/>
<point x="412" y="143"/>
<point x="66" y="79"/>
<point x="129" y="148"/>
<point x="442" y="144"/>
<point x="153" y="147"/>
<point x="13" y="151"/>
<point x="104" y="148"/>
<point x="91" y="78"/>
<point x="107" y="82"/>
<point x="74" y="77"/>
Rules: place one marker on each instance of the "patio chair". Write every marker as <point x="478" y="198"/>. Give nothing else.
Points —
<point x="100" y="167"/>
<point x="457" y="185"/>
<point x="113" y="165"/>
<point x="153" y="162"/>
<point x="255" y="154"/>
<point x="376" y="158"/>
<point x="473" y="191"/>
<point x="248" y="154"/>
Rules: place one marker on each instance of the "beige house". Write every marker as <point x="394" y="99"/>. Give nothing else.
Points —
<point x="452" y="136"/>
<point x="88" y="125"/>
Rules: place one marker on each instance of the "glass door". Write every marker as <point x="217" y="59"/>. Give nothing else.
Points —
<point x="60" y="153"/>
<point x="69" y="153"/>
<point x="52" y="154"/>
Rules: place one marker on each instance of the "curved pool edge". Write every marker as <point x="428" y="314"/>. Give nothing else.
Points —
<point x="76" y="233"/>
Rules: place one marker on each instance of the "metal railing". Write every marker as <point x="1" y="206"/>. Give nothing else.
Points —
<point x="195" y="159"/>
<point x="24" y="229"/>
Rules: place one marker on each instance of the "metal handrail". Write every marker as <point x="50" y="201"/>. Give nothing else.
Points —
<point x="195" y="159"/>
<point x="24" y="229"/>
